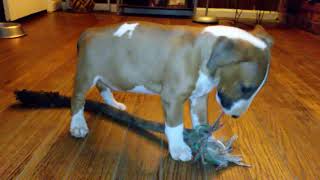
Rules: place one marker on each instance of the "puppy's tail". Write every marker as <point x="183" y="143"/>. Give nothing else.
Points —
<point x="42" y="99"/>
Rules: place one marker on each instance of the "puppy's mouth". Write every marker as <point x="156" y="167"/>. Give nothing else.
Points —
<point x="230" y="113"/>
<point x="235" y="116"/>
<point x="234" y="113"/>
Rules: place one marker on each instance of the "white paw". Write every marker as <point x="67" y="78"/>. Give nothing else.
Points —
<point x="109" y="99"/>
<point x="120" y="106"/>
<point x="178" y="149"/>
<point x="78" y="126"/>
<point x="180" y="152"/>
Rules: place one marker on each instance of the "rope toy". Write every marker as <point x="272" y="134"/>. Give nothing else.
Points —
<point x="205" y="148"/>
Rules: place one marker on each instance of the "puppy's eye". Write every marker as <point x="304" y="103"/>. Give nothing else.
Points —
<point x="246" y="90"/>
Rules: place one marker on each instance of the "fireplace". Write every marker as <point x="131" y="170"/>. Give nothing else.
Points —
<point x="157" y="7"/>
<point x="2" y="16"/>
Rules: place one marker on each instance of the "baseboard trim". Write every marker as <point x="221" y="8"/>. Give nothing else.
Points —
<point x="246" y="14"/>
<point x="269" y="16"/>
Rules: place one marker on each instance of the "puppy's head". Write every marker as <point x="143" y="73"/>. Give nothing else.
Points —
<point x="242" y="68"/>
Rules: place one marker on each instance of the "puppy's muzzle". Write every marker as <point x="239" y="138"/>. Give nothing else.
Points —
<point x="231" y="108"/>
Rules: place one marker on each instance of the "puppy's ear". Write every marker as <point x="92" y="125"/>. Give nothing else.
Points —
<point x="262" y="34"/>
<point x="221" y="53"/>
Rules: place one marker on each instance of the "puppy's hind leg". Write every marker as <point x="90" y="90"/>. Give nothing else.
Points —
<point x="78" y="125"/>
<point x="108" y="96"/>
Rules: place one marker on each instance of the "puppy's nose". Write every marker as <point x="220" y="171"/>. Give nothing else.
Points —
<point x="225" y="101"/>
<point x="235" y="116"/>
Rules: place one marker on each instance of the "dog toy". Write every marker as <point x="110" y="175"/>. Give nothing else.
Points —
<point x="205" y="148"/>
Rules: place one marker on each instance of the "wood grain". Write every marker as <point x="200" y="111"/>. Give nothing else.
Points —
<point x="278" y="136"/>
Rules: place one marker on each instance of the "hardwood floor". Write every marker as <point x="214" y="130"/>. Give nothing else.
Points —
<point x="278" y="136"/>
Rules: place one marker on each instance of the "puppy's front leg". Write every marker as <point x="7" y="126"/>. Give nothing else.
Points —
<point x="199" y="110"/>
<point x="179" y="150"/>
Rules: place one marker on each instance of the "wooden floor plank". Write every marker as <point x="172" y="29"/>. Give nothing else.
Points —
<point x="101" y="154"/>
<point x="259" y="151"/>
<point x="142" y="155"/>
<point x="290" y="130"/>
<point x="22" y="131"/>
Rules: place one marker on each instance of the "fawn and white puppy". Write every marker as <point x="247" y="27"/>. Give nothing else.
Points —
<point x="179" y="63"/>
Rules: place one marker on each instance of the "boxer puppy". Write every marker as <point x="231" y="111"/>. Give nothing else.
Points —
<point x="179" y="63"/>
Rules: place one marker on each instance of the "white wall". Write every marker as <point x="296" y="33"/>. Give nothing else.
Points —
<point x="15" y="9"/>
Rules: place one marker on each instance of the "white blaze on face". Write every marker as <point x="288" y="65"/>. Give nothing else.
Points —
<point x="235" y="33"/>
<point x="126" y="28"/>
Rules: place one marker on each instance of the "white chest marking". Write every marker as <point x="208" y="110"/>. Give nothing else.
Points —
<point x="235" y="33"/>
<point x="124" y="28"/>
<point x="204" y="85"/>
<point x="141" y="89"/>
<point x="194" y="116"/>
